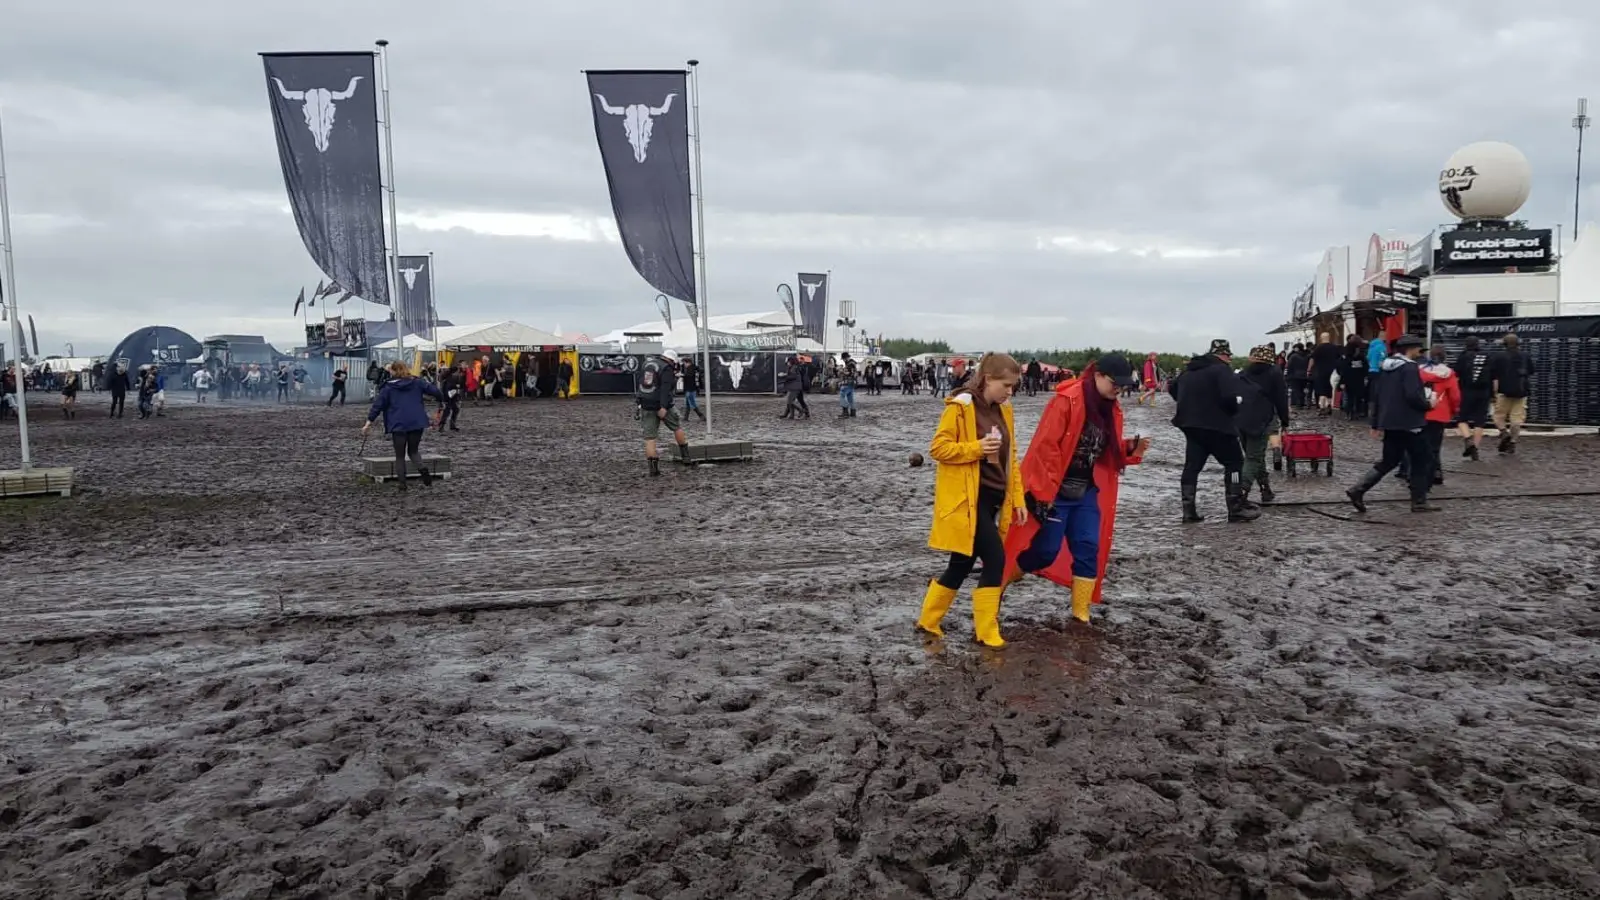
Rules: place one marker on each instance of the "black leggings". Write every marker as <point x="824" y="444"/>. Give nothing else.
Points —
<point x="986" y="545"/>
<point x="406" y="443"/>
<point x="1203" y="445"/>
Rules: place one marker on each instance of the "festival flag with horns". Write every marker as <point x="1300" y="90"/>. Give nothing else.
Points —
<point x="299" y="302"/>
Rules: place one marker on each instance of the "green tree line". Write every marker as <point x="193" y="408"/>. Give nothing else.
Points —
<point x="903" y="347"/>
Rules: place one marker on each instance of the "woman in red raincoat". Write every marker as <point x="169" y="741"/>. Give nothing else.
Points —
<point x="1070" y="474"/>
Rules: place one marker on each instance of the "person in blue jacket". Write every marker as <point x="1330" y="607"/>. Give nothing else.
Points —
<point x="1377" y="352"/>
<point x="405" y="418"/>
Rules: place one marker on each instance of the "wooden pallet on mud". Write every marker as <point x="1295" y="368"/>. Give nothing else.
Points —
<point x="718" y="451"/>
<point x="381" y="468"/>
<point x="35" y="482"/>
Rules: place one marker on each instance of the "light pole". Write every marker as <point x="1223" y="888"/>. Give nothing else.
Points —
<point x="1579" y="123"/>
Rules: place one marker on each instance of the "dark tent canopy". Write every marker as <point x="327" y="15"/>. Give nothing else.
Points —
<point x="157" y="344"/>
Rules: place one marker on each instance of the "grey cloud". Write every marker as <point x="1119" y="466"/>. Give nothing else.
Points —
<point x="1261" y="125"/>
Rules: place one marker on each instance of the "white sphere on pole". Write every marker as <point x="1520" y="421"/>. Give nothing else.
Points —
<point x="1486" y="180"/>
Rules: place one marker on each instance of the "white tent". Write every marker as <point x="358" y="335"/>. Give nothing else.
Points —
<point x="494" y="334"/>
<point x="1580" y="274"/>
<point x="684" y="335"/>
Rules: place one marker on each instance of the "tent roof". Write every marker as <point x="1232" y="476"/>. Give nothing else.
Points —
<point x="684" y="336"/>
<point x="491" y="334"/>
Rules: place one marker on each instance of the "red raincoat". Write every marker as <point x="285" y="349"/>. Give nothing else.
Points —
<point x="1045" y="465"/>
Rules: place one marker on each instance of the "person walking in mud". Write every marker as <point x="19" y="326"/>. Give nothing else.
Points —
<point x="1443" y="389"/>
<point x="847" y="386"/>
<point x="1399" y="405"/>
<point x="118" y="383"/>
<point x="794" y="389"/>
<point x="1034" y="376"/>
<point x="1476" y="380"/>
<point x="1265" y="397"/>
<point x="1324" y="364"/>
<point x="283" y="384"/>
<point x="147" y="392"/>
<point x="1070" y="477"/>
<point x="69" y="395"/>
<point x="693" y="386"/>
<point x="337" y="393"/>
<point x="402" y="404"/>
<point x="452" y="383"/>
<point x="656" y="396"/>
<point x="1513" y="373"/>
<point x="1208" y="400"/>
<point x="202" y="384"/>
<point x="977" y="496"/>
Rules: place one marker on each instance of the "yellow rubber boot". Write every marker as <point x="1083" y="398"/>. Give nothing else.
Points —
<point x="1082" y="598"/>
<point x="934" y="605"/>
<point x="986" y="616"/>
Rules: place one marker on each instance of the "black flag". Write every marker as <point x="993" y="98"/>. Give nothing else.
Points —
<point x="35" y="332"/>
<point x="346" y="296"/>
<point x="330" y="290"/>
<point x="325" y="112"/>
<point x="299" y="302"/>
<point x="813" y="306"/>
<point x="416" y="313"/>
<point x="641" y="119"/>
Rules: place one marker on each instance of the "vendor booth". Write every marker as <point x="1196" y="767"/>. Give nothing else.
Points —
<point x="749" y="353"/>
<point x="530" y="357"/>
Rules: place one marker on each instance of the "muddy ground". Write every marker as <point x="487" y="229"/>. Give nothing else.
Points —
<point x="229" y="669"/>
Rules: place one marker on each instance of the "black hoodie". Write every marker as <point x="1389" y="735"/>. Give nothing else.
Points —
<point x="1208" y="396"/>
<point x="1265" y="397"/>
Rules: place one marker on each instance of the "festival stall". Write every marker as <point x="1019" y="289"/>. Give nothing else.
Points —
<point x="533" y="355"/>
<point x="749" y="353"/>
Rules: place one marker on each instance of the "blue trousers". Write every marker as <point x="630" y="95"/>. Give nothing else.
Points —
<point x="847" y="396"/>
<point x="1077" y="524"/>
<point x="691" y="400"/>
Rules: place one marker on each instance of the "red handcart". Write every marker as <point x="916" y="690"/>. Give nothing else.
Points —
<point x="1312" y="448"/>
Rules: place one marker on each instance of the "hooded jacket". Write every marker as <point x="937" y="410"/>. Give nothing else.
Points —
<point x="1049" y="454"/>
<point x="1397" y="400"/>
<point x="400" y="402"/>
<point x="1266" y="396"/>
<point x="956" y="449"/>
<point x="1377" y="351"/>
<point x="1298" y="362"/>
<point x="1208" y="396"/>
<point x="1446" y="387"/>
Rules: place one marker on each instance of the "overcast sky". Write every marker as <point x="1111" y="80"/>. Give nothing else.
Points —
<point x="1144" y="173"/>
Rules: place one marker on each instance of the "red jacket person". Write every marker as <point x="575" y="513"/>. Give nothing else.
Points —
<point x="1070" y="476"/>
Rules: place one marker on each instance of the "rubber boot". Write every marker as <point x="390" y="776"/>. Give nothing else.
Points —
<point x="852" y="414"/>
<point x="1422" y="506"/>
<point x="1358" y="493"/>
<point x="1191" y="512"/>
<point x="683" y="452"/>
<point x="1239" y="510"/>
<point x="427" y="476"/>
<point x="655" y="466"/>
<point x="1267" y="496"/>
<point x="1082" y="598"/>
<point x="935" y="603"/>
<point x="986" y="617"/>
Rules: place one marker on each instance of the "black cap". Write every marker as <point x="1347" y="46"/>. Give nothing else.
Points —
<point x="1409" y="340"/>
<point x="1116" y="367"/>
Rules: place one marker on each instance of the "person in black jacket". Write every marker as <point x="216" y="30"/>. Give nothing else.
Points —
<point x="1325" y="359"/>
<point x="1265" y="397"/>
<point x="692" y="388"/>
<point x="1208" y="399"/>
<point x="657" y="394"/>
<point x="1512" y="371"/>
<point x="118" y="383"/>
<point x="1477" y="395"/>
<point x="1297" y="373"/>
<point x="1399" y="410"/>
<point x="794" y="389"/>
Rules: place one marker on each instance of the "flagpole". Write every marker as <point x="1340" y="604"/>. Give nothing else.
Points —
<point x="396" y="303"/>
<point x="700" y="243"/>
<point x="16" y="318"/>
<point x="827" y="304"/>
<point x="433" y="306"/>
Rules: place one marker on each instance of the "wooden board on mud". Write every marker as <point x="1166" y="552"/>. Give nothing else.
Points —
<point x="381" y="468"/>
<point x="719" y="451"/>
<point x="35" y="482"/>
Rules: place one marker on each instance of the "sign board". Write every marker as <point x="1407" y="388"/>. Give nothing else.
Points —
<point x="1406" y="289"/>
<point x="1565" y="350"/>
<point x="1419" y="256"/>
<point x="1468" y="250"/>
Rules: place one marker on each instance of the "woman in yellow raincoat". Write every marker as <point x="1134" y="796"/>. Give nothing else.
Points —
<point x="977" y="495"/>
